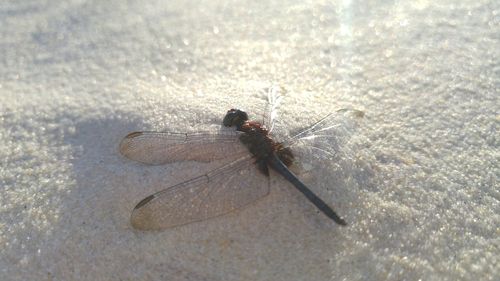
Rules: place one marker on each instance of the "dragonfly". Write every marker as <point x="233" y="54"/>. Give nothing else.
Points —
<point x="247" y="151"/>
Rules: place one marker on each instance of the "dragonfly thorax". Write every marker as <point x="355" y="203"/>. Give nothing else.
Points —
<point x="257" y="141"/>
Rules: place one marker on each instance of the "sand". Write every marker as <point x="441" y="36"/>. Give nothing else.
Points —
<point x="418" y="183"/>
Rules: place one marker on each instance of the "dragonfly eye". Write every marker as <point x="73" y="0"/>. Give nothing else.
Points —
<point x="235" y="117"/>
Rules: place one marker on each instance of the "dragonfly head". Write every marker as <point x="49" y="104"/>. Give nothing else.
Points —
<point x="235" y="117"/>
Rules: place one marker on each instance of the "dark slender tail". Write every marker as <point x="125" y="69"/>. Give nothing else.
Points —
<point x="279" y="167"/>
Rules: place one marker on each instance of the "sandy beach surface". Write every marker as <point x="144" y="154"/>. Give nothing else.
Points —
<point x="417" y="180"/>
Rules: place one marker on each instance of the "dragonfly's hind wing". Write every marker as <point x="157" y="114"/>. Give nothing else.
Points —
<point x="156" y="148"/>
<point x="327" y="137"/>
<point x="220" y="191"/>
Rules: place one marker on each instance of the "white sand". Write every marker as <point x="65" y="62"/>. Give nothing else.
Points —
<point x="420" y="190"/>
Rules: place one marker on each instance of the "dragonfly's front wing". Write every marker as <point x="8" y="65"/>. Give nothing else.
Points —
<point x="156" y="148"/>
<point x="220" y="191"/>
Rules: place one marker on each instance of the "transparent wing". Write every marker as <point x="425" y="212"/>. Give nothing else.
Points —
<point x="220" y="191"/>
<point x="157" y="148"/>
<point x="328" y="137"/>
<point x="274" y="98"/>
